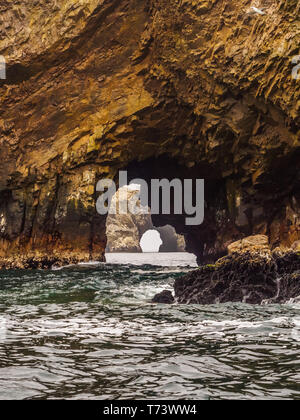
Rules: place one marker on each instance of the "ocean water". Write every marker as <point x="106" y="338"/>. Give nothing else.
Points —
<point x="91" y="332"/>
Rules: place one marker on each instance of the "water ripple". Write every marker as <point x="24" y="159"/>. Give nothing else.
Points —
<point x="91" y="332"/>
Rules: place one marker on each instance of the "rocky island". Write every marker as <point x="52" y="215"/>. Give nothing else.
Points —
<point x="250" y="273"/>
<point x="125" y="231"/>
<point x="192" y="107"/>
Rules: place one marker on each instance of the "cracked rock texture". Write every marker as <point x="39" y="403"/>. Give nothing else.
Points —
<point x="204" y="88"/>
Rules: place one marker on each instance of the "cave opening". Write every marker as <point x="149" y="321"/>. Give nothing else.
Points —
<point x="136" y="233"/>
<point x="176" y="236"/>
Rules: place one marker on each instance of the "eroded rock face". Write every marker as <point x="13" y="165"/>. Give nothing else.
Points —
<point x="250" y="273"/>
<point x="249" y="277"/>
<point x="296" y="246"/>
<point x="171" y="241"/>
<point x="99" y="86"/>
<point x="125" y="231"/>
<point x="255" y="243"/>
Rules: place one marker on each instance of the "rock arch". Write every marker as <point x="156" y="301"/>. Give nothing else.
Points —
<point x="151" y="241"/>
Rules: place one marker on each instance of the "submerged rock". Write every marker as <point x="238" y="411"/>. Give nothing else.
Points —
<point x="164" y="297"/>
<point x="253" y="278"/>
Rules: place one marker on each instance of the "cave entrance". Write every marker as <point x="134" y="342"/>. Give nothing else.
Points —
<point x="124" y="234"/>
<point x="196" y="239"/>
<point x="204" y="240"/>
<point x="201" y="240"/>
<point x="136" y="233"/>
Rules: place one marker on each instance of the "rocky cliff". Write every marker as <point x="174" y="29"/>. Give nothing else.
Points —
<point x="171" y="241"/>
<point x="195" y="89"/>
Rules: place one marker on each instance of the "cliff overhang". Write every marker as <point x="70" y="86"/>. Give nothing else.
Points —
<point x="196" y="89"/>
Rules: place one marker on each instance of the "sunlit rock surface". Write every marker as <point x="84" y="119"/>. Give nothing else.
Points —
<point x="255" y="243"/>
<point x="197" y="89"/>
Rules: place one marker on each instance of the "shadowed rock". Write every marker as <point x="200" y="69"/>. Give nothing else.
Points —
<point x="198" y="89"/>
<point x="171" y="241"/>
<point x="164" y="297"/>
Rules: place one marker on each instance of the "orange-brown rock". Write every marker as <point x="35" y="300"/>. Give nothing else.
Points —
<point x="175" y="88"/>
<point x="255" y="243"/>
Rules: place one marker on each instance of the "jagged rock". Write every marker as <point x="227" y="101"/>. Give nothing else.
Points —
<point x="281" y="250"/>
<point x="255" y="243"/>
<point x="35" y="262"/>
<point x="171" y="241"/>
<point x="296" y="246"/>
<point x="181" y="243"/>
<point x="164" y="297"/>
<point x="249" y="277"/>
<point x="124" y="231"/>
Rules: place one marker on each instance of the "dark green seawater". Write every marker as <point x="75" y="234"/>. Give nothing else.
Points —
<point x="91" y="332"/>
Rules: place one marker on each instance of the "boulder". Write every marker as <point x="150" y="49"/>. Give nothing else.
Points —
<point x="255" y="243"/>
<point x="164" y="297"/>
